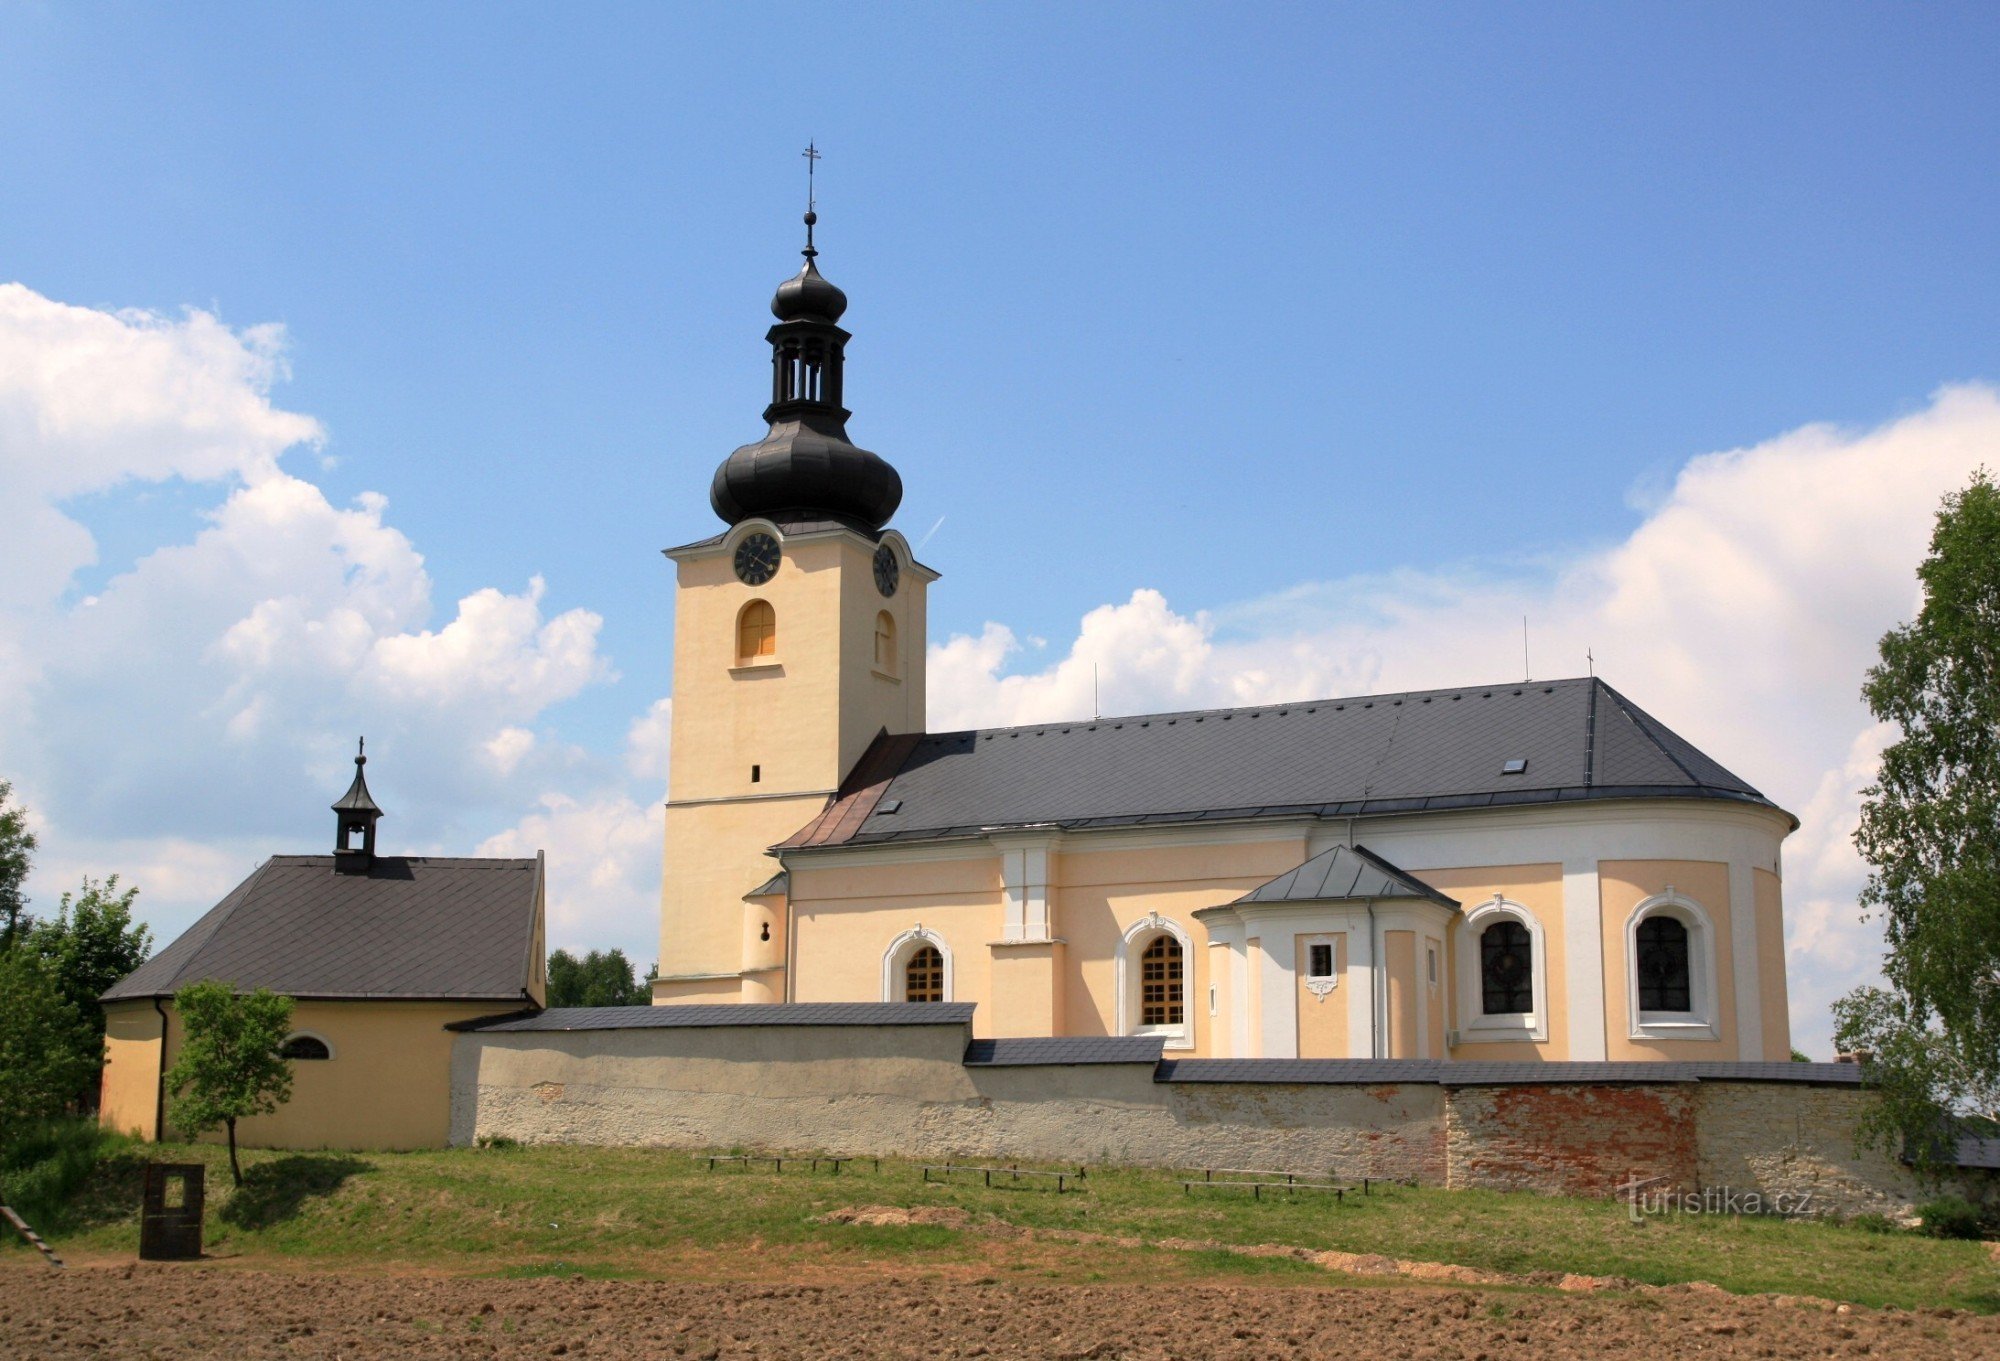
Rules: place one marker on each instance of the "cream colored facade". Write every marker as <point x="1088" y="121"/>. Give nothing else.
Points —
<point x="1047" y="930"/>
<point x="761" y="740"/>
<point x="386" y="1084"/>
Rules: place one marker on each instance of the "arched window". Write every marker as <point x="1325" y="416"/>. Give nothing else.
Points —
<point x="923" y="976"/>
<point x="917" y="967"/>
<point x="1670" y="970"/>
<point x="1161" y="983"/>
<point x="303" y="1046"/>
<point x="756" y="632"/>
<point x="1665" y="983"/>
<point x="885" y="643"/>
<point x="1506" y="969"/>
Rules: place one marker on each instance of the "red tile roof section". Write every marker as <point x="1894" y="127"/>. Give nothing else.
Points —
<point x="857" y="798"/>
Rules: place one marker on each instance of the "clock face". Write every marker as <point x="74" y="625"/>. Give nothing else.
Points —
<point x="757" y="559"/>
<point x="887" y="570"/>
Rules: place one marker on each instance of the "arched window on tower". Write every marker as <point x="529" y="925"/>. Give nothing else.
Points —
<point x="885" y="643"/>
<point x="923" y="976"/>
<point x="756" y="633"/>
<point x="1506" y="969"/>
<point x="1665" y="979"/>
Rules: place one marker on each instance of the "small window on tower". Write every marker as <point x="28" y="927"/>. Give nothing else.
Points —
<point x="1319" y="960"/>
<point x="756" y="774"/>
<point x="756" y="633"/>
<point x="885" y="643"/>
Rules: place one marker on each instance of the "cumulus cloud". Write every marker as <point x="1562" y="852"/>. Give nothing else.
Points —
<point x="603" y="867"/>
<point x="198" y="710"/>
<point x="1742" y="610"/>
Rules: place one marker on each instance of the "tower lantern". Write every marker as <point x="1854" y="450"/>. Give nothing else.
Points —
<point x="356" y="813"/>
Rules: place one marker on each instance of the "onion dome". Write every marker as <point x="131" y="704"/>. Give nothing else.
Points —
<point x="805" y="467"/>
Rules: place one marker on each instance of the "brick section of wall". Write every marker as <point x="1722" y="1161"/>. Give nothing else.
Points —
<point x="1577" y="1139"/>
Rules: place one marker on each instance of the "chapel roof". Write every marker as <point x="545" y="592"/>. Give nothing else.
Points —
<point x="1540" y="742"/>
<point x="1342" y="874"/>
<point x="407" y="927"/>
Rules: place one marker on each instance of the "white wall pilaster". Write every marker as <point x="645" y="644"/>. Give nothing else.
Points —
<point x="1583" y="959"/>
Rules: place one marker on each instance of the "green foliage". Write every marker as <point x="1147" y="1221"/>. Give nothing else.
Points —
<point x="229" y="1065"/>
<point x="17" y="844"/>
<point x="1951" y="1217"/>
<point x="87" y="946"/>
<point x="47" y="1051"/>
<point x="497" y="1141"/>
<point x="1930" y="830"/>
<point x="43" y="1165"/>
<point x="1873" y="1223"/>
<point x="599" y="979"/>
<point x="1801" y="1056"/>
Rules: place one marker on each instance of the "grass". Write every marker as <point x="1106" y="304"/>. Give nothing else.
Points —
<point x="563" y="1211"/>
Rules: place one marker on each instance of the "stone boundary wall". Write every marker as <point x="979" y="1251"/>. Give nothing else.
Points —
<point x="906" y="1091"/>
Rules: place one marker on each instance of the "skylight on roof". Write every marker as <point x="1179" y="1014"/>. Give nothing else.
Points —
<point x="1517" y="766"/>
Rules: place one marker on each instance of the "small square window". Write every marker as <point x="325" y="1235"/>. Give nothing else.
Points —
<point x="1431" y="966"/>
<point x="1517" y="766"/>
<point x="1319" y="960"/>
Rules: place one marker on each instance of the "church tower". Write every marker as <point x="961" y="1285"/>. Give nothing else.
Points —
<point x="799" y="635"/>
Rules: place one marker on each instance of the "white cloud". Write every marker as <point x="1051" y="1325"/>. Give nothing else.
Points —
<point x="649" y="740"/>
<point x="198" y="710"/>
<point x="604" y="871"/>
<point x="1742" y="611"/>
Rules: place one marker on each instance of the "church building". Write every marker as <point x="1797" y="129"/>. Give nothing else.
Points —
<point x="1535" y="871"/>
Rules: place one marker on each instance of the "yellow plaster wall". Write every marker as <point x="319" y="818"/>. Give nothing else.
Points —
<point x="801" y="717"/>
<point x="1771" y="991"/>
<point x="387" y="1086"/>
<point x="1539" y="889"/>
<point x="129" y="1095"/>
<point x="1622" y="886"/>
<point x="1399" y="964"/>
<point x="1027" y="991"/>
<point x="1322" y="1020"/>
<point x="846" y="917"/>
<point x="1433" y="995"/>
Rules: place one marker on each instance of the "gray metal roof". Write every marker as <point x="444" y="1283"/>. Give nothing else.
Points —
<point x="1064" y="1049"/>
<point x="708" y="1014"/>
<point x="1977" y="1153"/>
<point x="412" y="926"/>
<point x="1414" y="752"/>
<point x="1341" y="874"/>
<point x="1475" y="1073"/>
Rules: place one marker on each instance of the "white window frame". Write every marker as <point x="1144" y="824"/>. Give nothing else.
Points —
<point x="331" y="1052"/>
<point x="1700" y="1021"/>
<point x="1474" y="1025"/>
<point x="897" y="957"/>
<point x="1128" y="982"/>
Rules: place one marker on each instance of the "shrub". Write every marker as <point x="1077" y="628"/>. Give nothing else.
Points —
<point x="44" y="1165"/>
<point x="1951" y="1217"/>
<point x="1872" y="1223"/>
<point x="499" y="1141"/>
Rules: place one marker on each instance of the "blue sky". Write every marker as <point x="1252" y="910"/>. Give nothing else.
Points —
<point x="1301" y="323"/>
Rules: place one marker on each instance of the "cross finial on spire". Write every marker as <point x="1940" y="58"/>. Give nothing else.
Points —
<point x="812" y="155"/>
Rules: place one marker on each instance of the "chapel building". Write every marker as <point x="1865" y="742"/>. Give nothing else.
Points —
<point x="1536" y="871"/>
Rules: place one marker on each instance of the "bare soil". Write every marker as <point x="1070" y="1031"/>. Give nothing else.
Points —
<point x="203" y="1310"/>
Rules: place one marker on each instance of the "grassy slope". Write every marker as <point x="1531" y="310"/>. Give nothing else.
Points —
<point x="637" y="1211"/>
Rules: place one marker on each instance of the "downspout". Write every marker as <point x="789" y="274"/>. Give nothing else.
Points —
<point x="791" y="935"/>
<point x="160" y="1081"/>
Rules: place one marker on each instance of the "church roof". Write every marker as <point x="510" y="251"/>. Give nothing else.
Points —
<point x="1340" y="874"/>
<point x="410" y="927"/>
<point x="1489" y="746"/>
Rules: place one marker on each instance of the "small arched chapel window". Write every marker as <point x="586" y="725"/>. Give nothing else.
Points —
<point x="885" y="643"/>
<point x="305" y="1047"/>
<point x="1506" y="969"/>
<point x="923" y="976"/>
<point x="756" y="632"/>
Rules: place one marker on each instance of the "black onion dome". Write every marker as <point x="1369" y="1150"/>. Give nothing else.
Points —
<point x="814" y="472"/>
<point x="808" y="295"/>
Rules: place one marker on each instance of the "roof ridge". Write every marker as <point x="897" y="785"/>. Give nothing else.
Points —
<point x="231" y="904"/>
<point x="1270" y="707"/>
<point x="1633" y="714"/>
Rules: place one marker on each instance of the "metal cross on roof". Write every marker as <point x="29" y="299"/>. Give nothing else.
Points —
<point x="812" y="154"/>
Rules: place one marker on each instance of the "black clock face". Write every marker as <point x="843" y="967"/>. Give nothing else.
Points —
<point x="756" y="559"/>
<point x="887" y="570"/>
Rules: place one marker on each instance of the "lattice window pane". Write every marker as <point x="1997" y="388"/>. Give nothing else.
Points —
<point x="1160" y="980"/>
<point x="1506" y="969"/>
<point x="923" y="976"/>
<point x="1664" y="980"/>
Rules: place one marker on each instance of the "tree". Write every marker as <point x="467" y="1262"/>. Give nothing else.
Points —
<point x="90" y="944"/>
<point x="46" y="1053"/>
<point x="599" y="979"/>
<point x="16" y="845"/>
<point x="230" y="1065"/>
<point x="1930" y="830"/>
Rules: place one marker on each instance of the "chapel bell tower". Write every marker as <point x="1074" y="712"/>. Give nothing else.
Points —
<point x="799" y="635"/>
